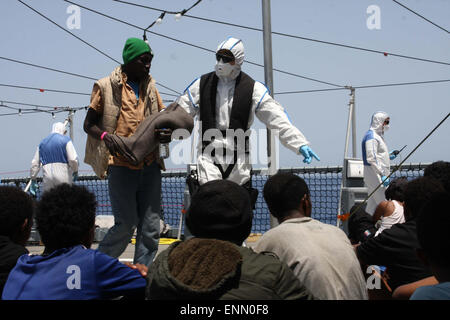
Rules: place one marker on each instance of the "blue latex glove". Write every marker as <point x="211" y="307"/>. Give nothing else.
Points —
<point x="33" y="187"/>
<point x="308" y="153"/>
<point x="385" y="180"/>
<point x="393" y="154"/>
<point x="75" y="176"/>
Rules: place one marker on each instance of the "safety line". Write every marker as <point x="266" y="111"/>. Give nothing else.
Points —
<point x="421" y="16"/>
<point x="399" y="166"/>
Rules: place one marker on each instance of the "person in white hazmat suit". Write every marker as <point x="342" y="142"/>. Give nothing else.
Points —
<point x="376" y="159"/>
<point x="228" y="98"/>
<point x="58" y="159"/>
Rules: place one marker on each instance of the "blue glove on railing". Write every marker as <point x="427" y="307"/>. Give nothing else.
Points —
<point x="74" y="176"/>
<point x="308" y="153"/>
<point x="393" y="154"/>
<point x="34" y="187"/>
<point x="385" y="180"/>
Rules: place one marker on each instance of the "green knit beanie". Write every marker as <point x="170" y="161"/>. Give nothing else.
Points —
<point x="134" y="47"/>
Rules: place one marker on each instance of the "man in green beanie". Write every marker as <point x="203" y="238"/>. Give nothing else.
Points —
<point x="119" y="103"/>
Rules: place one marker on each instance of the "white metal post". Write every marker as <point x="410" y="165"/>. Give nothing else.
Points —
<point x="347" y="138"/>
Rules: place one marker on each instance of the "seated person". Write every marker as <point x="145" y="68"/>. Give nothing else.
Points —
<point x="363" y="226"/>
<point x="404" y="292"/>
<point x="395" y="248"/>
<point x="320" y="255"/>
<point x="390" y="211"/>
<point x="432" y="231"/>
<point x="213" y="264"/>
<point x="16" y="220"/>
<point x="68" y="269"/>
<point x="439" y="170"/>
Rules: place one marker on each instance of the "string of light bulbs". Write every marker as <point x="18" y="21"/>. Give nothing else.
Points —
<point x="20" y="110"/>
<point x="159" y="20"/>
<point x="82" y="40"/>
<point x="200" y="47"/>
<point x="42" y="89"/>
<point x="385" y="53"/>
<point x="303" y="91"/>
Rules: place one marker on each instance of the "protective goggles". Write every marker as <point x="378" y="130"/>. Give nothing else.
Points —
<point x="225" y="59"/>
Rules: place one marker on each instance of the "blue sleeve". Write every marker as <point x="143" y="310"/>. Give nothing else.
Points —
<point x="435" y="292"/>
<point x="116" y="279"/>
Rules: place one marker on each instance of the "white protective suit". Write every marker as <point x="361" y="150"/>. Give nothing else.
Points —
<point x="266" y="109"/>
<point x="376" y="160"/>
<point x="57" y="157"/>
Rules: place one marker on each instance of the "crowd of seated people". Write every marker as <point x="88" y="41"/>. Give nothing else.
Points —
<point x="299" y="259"/>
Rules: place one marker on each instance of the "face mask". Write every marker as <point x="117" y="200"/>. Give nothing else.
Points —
<point x="223" y="69"/>
<point x="386" y="127"/>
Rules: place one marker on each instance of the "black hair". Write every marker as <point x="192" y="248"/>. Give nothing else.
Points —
<point x="418" y="192"/>
<point x="283" y="192"/>
<point x="15" y="207"/>
<point x="433" y="225"/>
<point x="396" y="189"/>
<point x="439" y="170"/>
<point x="65" y="215"/>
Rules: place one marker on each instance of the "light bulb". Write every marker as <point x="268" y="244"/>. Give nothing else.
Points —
<point x="158" y="21"/>
<point x="178" y="16"/>
<point x="53" y="115"/>
<point x="20" y="112"/>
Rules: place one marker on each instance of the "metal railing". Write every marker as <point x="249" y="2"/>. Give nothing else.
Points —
<point x="324" y="184"/>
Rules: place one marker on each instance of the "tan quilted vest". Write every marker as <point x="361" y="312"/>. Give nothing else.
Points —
<point x="96" y="153"/>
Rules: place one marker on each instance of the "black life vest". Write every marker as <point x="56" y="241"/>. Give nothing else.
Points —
<point x="240" y="110"/>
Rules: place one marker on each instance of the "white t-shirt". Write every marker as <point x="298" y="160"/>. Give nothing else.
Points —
<point x="320" y="255"/>
<point x="396" y="217"/>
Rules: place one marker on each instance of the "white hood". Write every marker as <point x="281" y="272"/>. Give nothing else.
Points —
<point x="237" y="48"/>
<point x="58" y="127"/>
<point x="378" y="119"/>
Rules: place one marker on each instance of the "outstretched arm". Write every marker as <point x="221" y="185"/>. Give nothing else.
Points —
<point x="274" y="116"/>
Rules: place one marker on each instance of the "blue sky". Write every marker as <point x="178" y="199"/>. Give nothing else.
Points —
<point x="322" y="116"/>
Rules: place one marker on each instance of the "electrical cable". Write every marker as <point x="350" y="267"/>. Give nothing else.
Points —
<point x="178" y="15"/>
<point x="37" y="108"/>
<point x="200" y="47"/>
<point x="421" y="16"/>
<point x="366" y="86"/>
<point x="84" y="41"/>
<point x="47" y="68"/>
<point x="72" y="34"/>
<point x="385" y="53"/>
<point x="42" y="89"/>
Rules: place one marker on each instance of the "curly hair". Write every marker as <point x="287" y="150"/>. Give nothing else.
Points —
<point x="439" y="170"/>
<point x="433" y="224"/>
<point x="284" y="192"/>
<point x="65" y="215"/>
<point x="396" y="189"/>
<point x="15" y="207"/>
<point x="418" y="192"/>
